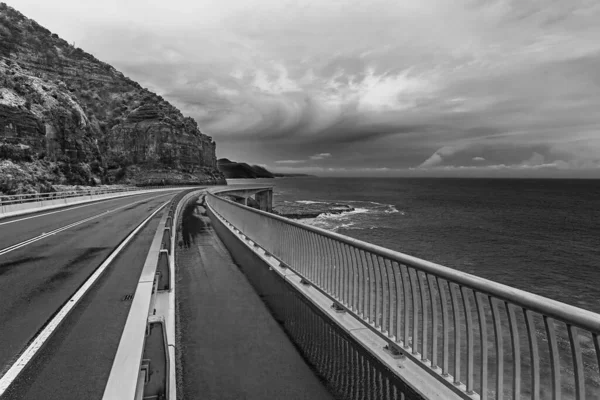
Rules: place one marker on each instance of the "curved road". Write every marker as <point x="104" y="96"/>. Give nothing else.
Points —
<point x="44" y="259"/>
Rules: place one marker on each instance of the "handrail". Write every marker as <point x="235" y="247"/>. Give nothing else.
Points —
<point x="36" y="197"/>
<point x="485" y="337"/>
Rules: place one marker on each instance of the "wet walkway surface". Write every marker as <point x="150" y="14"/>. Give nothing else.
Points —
<point x="230" y="347"/>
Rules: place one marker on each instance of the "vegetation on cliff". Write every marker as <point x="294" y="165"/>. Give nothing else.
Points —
<point x="68" y="118"/>
<point x="237" y="170"/>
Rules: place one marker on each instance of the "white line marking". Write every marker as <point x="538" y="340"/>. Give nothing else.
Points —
<point x="43" y="336"/>
<point x="67" y="208"/>
<point x="64" y="228"/>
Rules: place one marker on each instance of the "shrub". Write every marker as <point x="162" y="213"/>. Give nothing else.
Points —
<point x="15" y="152"/>
<point x="96" y="167"/>
<point x="121" y="173"/>
<point x="75" y="173"/>
<point x="19" y="88"/>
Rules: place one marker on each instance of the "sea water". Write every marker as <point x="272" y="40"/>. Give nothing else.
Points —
<point x="542" y="236"/>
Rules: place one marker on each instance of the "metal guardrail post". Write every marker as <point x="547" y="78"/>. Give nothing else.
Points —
<point x="166" y="240"/>
<point x="155" y="362"/>
<point x="164" y="269"/>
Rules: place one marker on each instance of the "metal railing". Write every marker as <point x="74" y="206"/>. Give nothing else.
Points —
<point x="6" y="200"/>
<point x="480" y="338"/>
<point x="36" y="197"/>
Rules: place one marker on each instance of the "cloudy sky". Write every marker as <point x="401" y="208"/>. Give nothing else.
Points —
<point x="355" y="87"/>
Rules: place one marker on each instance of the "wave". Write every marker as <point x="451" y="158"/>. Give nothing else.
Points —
<point x="391" y="209"/>
<point x="344" y="215"/>
<point x="388" y="208"/>
<point x="334" y="222"/>
<point x="310" y="202"/>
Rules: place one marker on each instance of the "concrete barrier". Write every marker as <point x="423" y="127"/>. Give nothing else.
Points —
<point x="153" y="305"/>
<point x="124" y="376"/>
<point x="242" y="194"/>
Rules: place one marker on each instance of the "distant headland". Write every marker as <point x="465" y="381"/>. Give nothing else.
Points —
<point x="241" y="170"/>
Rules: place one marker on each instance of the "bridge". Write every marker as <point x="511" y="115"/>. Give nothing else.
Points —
<point x="160" y="293"/>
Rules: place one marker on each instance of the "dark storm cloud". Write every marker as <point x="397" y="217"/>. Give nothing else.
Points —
<point x="498" y="85"/>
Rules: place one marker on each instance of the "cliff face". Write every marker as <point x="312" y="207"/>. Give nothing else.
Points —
<point x="67" y="118"/>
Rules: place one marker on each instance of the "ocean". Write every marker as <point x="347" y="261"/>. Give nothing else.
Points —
<point x="542" y="236"/>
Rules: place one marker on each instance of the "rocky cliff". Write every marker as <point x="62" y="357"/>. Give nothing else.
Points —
<point x="68" y="118"/>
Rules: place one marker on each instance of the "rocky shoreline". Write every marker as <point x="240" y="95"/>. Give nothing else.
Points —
<point x="311" y="209"/>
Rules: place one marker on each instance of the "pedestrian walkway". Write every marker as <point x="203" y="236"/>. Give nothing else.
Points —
<point x="230" y="345"/>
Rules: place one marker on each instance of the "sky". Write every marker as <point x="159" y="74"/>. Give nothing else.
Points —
<point x="364" y="88"/>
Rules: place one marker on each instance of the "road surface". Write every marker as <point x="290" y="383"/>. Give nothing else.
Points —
<point x="44" y="259"/>
<point x="229" y="347"/>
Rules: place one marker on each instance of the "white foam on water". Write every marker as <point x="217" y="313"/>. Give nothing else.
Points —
<point x="344" y="215"/>
<point x="346" y="226"/>
<point x="336" y="221"/>
<point x="366" y="214"/>
<point x="391" y="209"/>
<point x="380" y="207"/>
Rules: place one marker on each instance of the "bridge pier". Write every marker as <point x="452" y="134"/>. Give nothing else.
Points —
<point x="265" y="200"/>
<point x="261" y="199"/>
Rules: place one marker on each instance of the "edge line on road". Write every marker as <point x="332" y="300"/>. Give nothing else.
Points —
<point x="67" y="208"/>
<point x="41" y="337"/>
<point x="44" y="235"/>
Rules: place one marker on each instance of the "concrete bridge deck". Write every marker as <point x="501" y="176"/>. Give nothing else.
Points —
<point x="229" y="342"/>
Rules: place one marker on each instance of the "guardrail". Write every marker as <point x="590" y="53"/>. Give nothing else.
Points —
<point x="27" y="203"/>
<point x="480" y="338"/>
<point x="36" y="197"/>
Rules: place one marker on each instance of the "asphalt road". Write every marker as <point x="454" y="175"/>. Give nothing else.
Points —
<point x="38" y="278"/>
<point x="19" y="228"/>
